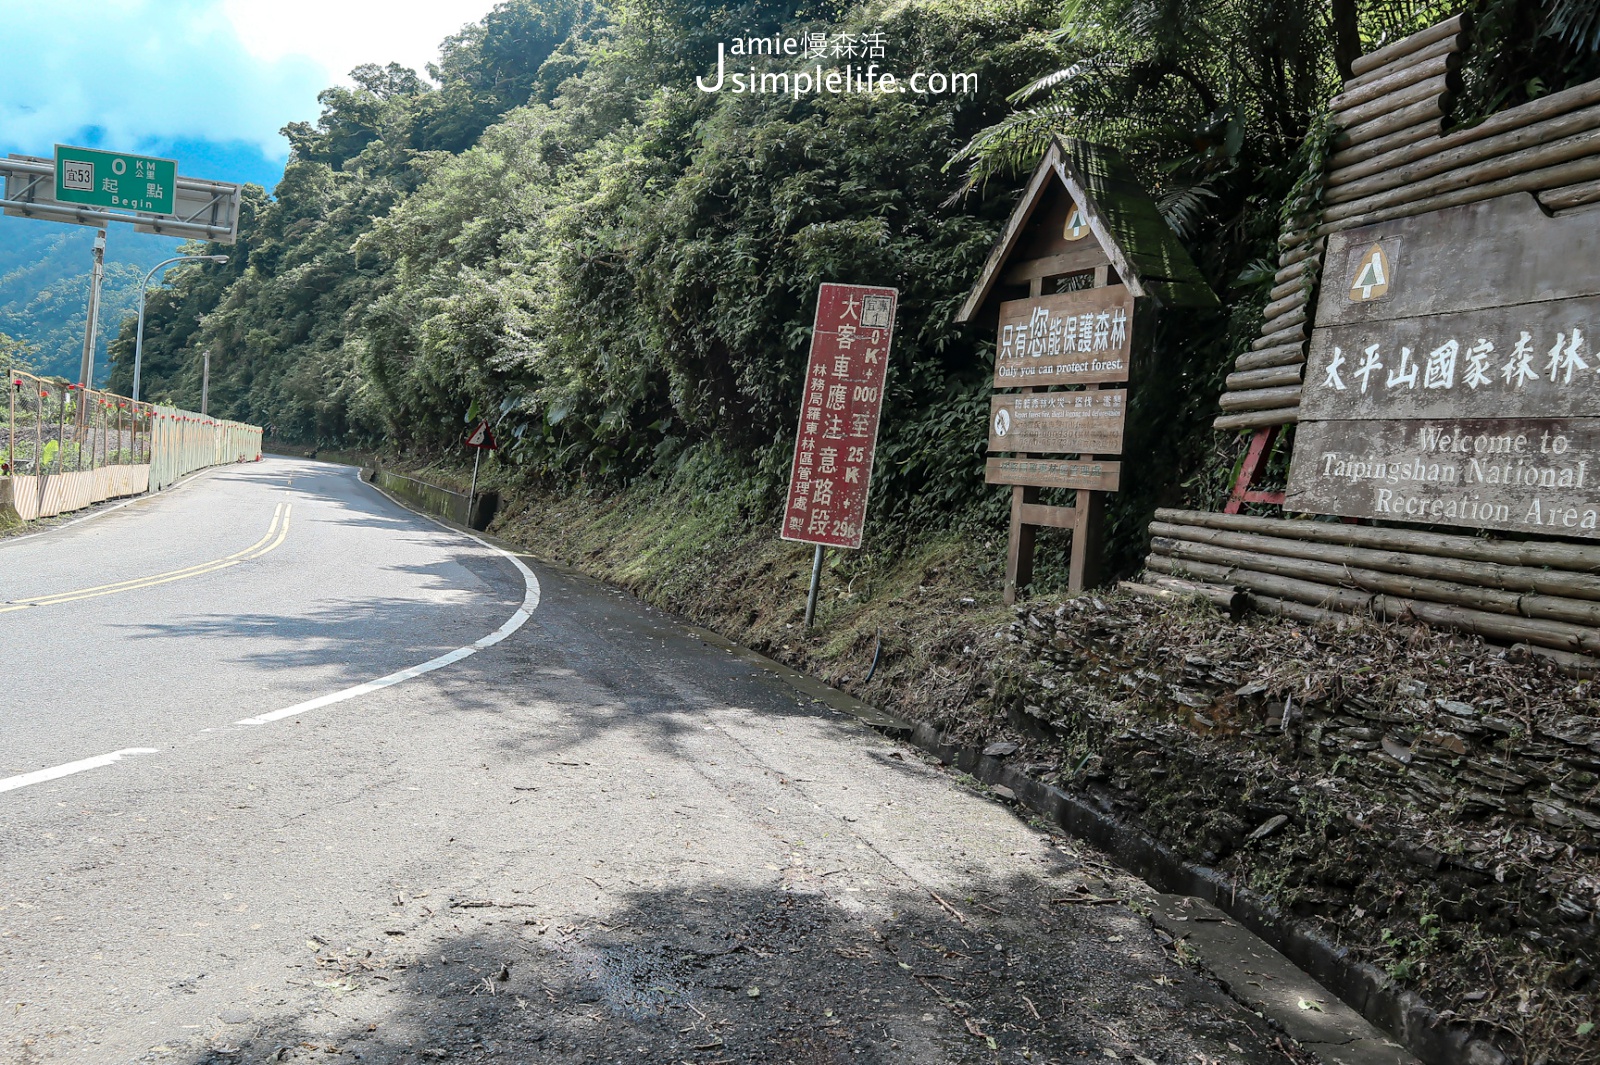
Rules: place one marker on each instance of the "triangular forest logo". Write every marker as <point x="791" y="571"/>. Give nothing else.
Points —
<point x="1077" y="226"/>
<point x="1373" y="275"/>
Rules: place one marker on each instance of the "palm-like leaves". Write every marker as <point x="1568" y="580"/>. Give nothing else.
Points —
<point x="1575" y="22"/>
<point x="1191" y="90"/>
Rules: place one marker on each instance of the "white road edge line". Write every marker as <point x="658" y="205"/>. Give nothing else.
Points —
<point x="57" y="772"/>
<point x="530" y="603"/>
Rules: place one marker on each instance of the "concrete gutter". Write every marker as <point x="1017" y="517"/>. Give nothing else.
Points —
<point x="1413" y="1023"/>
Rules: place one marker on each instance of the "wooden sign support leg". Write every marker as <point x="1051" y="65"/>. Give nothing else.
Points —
<point x="1019" y="549"/>
<point x="1255" y="461"/>
<point x="1087" y="539"/>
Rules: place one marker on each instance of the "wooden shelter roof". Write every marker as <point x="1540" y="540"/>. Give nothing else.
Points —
<point x="1122" y="217"/>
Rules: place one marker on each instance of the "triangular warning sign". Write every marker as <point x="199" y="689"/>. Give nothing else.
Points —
<point x="1077" y="226"/>
<point x="1372" y="276"/>
<point x="482" y="437"/>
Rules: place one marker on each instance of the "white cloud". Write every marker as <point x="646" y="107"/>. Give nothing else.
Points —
<point x="141" y="71"/>
<point x="340" y="34"/>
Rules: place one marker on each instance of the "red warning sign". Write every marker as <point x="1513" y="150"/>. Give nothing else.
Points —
<point x="482" y="437"/>
<point x="842" y="399"/>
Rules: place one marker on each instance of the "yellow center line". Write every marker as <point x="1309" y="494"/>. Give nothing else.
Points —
<point x="42" y="600"/>
<point x="279" y="529"/>
<point x="283" y="531"/>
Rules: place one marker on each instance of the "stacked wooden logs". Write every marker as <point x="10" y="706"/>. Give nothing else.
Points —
<point x="1550" y="147"/>
<point x="1264" y="388"/>
<point x="1394" y="101"/>
<point x="1545" y="596"/>
<point x="1395" y="97"/>
<point x="1391" y="161"/>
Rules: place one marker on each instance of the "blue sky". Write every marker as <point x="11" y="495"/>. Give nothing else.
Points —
<point x="206" y="82"/>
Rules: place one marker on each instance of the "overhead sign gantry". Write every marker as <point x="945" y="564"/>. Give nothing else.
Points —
<point x="90" y="187"/>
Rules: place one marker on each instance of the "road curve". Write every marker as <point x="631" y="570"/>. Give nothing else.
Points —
<point x="350" y="589"/>
<point x="603" y="836"/>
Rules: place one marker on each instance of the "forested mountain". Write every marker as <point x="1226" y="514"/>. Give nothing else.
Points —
<point x="567" y="234"/>
<point x="44" y="287"/>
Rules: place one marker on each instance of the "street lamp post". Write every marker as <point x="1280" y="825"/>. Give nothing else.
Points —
<point x="138" y="336"/>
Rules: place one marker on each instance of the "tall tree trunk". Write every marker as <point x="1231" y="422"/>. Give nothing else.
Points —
<point x="1346" y="35"/>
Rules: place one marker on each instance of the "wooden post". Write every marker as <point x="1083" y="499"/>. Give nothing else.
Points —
<point x="1019" y="545"/>
<point x="1087" y="539"/>
<point x="1019" y="549"/>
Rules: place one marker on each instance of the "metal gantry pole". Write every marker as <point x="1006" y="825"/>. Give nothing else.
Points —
<point x="205" y="382"/>
<point x="92" y="325"/>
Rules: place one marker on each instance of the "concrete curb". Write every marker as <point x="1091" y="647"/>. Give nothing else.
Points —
<point x="434" y="499"/>
<point x="1369" y="991"/>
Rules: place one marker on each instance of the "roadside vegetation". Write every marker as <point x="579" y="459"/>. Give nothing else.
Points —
<point x="561" y="233"/>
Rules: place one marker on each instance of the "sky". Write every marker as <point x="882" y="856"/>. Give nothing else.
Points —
<point x="206" y="82"/>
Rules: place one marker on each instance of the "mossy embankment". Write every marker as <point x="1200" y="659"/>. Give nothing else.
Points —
<point x="926" y="608"/>
<point x="1428" y="802"/>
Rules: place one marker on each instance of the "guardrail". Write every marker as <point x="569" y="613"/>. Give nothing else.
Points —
<point x="68" y="447"/>
<point x="435" y="499"/>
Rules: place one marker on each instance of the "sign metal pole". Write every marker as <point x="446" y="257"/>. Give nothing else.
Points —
<point x="841" y="403"/>
<point x="480" y="440"/>
<point x="816" y="582"/>
<point x="477" y="456"/>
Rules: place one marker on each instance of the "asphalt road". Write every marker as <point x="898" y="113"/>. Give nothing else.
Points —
<point x="591" y="833"/>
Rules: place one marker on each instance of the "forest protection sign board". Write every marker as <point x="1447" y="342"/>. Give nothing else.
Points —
<point x="1067" y="338"/>
<point x="840" y="404"/>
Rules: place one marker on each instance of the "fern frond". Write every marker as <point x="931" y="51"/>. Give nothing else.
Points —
<point x="1183" y="207"/>
<point x="1046" y="83"/>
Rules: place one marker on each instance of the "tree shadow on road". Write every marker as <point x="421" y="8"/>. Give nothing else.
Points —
<point x="805" y="971"/>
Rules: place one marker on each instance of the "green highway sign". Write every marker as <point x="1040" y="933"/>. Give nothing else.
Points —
<point x="115" y="180"/>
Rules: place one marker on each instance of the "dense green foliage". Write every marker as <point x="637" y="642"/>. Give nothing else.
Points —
<point x="44" y="287"/>
<point x="566" y="236"/>
<point x="16" y="355"/>
<point x="625" y="271"/>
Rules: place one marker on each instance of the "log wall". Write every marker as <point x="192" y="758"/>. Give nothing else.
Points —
<point x="1392" y="159"/>
<point x="1544" y="596"/>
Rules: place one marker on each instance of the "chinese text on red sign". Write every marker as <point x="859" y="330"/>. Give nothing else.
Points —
<point x="839" y="409"/>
